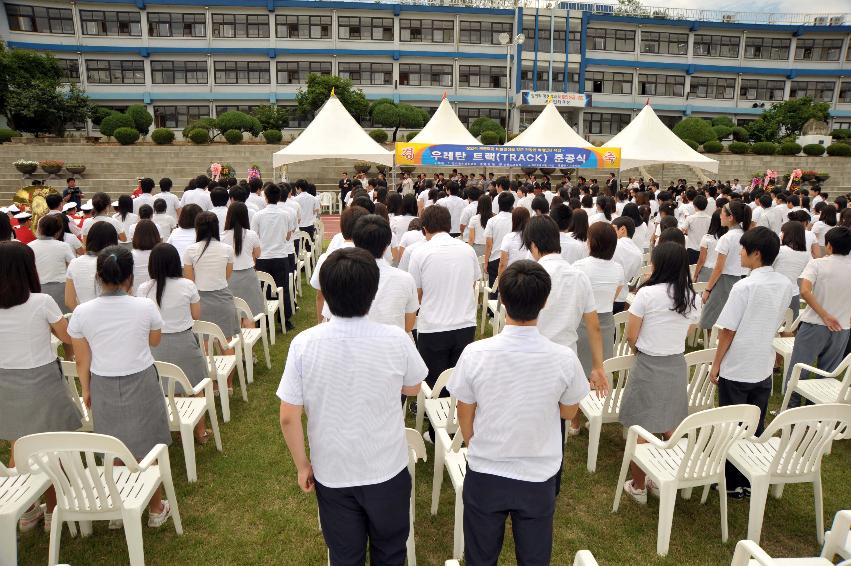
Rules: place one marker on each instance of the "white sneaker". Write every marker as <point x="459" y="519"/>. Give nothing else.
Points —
<point x="573" y="431"/>
<point x="158" y="519"/>
<point x="29" y="520"/>
<point x="427" y="438"/>
<point x="638" y="495"/>
<point x="651" y="487"/>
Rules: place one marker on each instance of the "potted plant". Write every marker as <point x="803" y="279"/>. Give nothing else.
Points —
<point x="362" y="166"/>
<point x="381" y="168"/>
<point x="548" y="170"/>
<point x="51" y="166"/>
<point x="75" y="168"/>
<point x="407" y="169"/>
<point x="26" y="166"/>
<point x="808" y="175"/>
<point x="821" y="176"/>
<point x="529" y="170"/>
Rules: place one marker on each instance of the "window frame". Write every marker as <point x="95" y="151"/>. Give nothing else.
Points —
<point x="110" y="18"/>
<point x="223" y="69"/>
<point x="610" y="39"/>
<point x="245" y="22"/>
<point x="160" y="121"/>
<point x="427" y="30"/>
<point x="717" y="43"/>
<point x="42" y="19"/>
<point x="480" y="30"/>
<point x="179" y="67"/>
<point x="767" y="46"/>
<point x="303" y="69"/>
<point x="602" y="118"/>
<point x="669" y="85"/>
<point x="610" y="78"/>
<point x="372" y="69"/>
<point x="112" y="66"/>
<point x="811" y="88"/>
<point x="466" y="72"/>
<point x="179" y="21"/>
<point x="663" y="38"/>
<point x="764" y="86"/>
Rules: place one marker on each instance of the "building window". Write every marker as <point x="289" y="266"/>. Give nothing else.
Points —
<point x="39" y="19"/>
<point x="303" y="27"/>
<point x="601" y="123"/>
<point x="468" y="115"/>
<point x="296" y="72"/>
<point x="527" y="79"/>
<point x="481" y="76"/>
<point x="483" y="32"/>
<point x="241" y="72"/>
<point x="162" y="24"/>
<point x="719" y="88"/>
<point x="415" y="74"/>
<point x="98" y="22"/>
<point x="818" y="49"/>
<point x="70" y="70"/>
<point x="716" y="46"/>
<point x="103" y="71"/>
<point x="661" y="85"/>
<point x="240" y="25"/>
<point x="428" y="31"/>
<point x="608" y="83"/>
<point x="758" y="89"/>
<point x="544" y="34"/>
<point x="842" y="125"/>
<point x="605" y="39"/>
<point x="574" y="43"/>
<point x="845" y="92"/>
<point x="179" y="72"/>
<point x="771" y="48"/>
<point x="367" y="73"/>
<point x="664" y="43"/>
<point x="179" y="116"/>
<point x="375" y="29"/>
<point x="244" y="108"/>
<point x="817" y="90"/>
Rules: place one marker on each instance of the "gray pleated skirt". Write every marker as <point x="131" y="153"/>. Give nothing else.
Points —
<point x="36" y="400"/>
<point x="57" y="291"/>
<point x="132" y="409"/>
<point x="705" y="274"/>
<point x="217" y="307"/>
<point x="717" y="299"/>
<point x="245" y="285"/>
<point x="182" y="349"/>
<point x="480" y="249"/>
<point x="607" y="334"/>
<point x="655" y="395"/>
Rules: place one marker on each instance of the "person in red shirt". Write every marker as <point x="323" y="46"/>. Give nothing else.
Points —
<point x="23" y="231"/>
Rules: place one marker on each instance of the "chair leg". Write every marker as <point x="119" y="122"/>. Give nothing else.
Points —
<point x="168" y="485"/>
<point x="667" y="499"/>
<point x="9" y="541"/>
<point x="420" y="412"/>
<point x="214" y="423"/>
<point x="621" y="480"/>
<point x="85" y="528"/>
<point x="266" y="350"/>
<point x="437" y="480"/>
<point x="133" y="534"/>
<point x="759" y="495"/>
<point x="240" y="373"/>
<point x="270" y="327"/>
<point x="458" y="538"/>
<point x="248" y="355"/>
<point x="187" y="438"/>
<point x="704" y="495"/>
<point x="817" y="493"/>
<point x="55" y="537"/>
<point x="722" y="496"/>
<point x="595" y="426"/>
<point x="224" y="398"/>
<point x="686" y="493"/>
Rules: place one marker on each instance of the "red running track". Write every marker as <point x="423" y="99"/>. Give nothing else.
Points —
<point x="332" y="225"/>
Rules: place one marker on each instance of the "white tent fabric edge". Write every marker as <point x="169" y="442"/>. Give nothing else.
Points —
<point x="549" y="130"/>
<point x="444" y="127"/>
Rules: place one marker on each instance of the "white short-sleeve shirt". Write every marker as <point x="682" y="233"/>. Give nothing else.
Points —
<point x="117" y="328"/>
<point x="172" y="203"/>
<point x="399" y="225"/>
<point x="82" y="272"/>
<point x="272" y="225"/>
<point x="209" y="266"/>
<point x="478" y="232"/>
<point x="697" y="225"/>
<point x="411" y="237"/>
<point x="182" y="238"/>
<point x="791" y="263"/>
<point x="166" y="224"/>
<point x="250" y="242"/>
<point x="663" y="330"/>
<point x="455" y="205"/>
<point x="140" y="268"/>
<point x="129" y="220"/>
<point x="512" y="244"/>
<point x="405" y="260"/>
<point x="569" y="300"/>
<point x="728" y="245"/>
<point x="314" y="277"/>
<point x="498" y="226"/>
<point x="339" y="372"/>
<point x="630" y="258"/>
<point x="25" y="333"/>
<point x="605" y="276"/>
<point x="197" y="196"/>
<point x="117" y="224"/>
<point x="51" y="259"/>
<point x="178" y="295"/>
<point x="830" y="276"/>
<point x="820" y="229"/>
<point x="710" y="243"/>
<point x="572" y="250"/>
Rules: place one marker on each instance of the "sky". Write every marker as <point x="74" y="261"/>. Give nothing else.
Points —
<point x="766" y="6"/>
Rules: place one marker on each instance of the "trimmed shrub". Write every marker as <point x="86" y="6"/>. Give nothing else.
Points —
<point x="199" y="136"/>
<point x="722" y="132"/>
<point x="126" y="136"/>
<point x="236" y="120"/>
<point x="713" y="146"/>
<point x="208" y="124"/>
<point x="839" y="150"/>
<point x="696" y="129"/>
<point x="6" y="134"/>
<point x="99" y="113"/>
<point x="115" y="121"/>
<point x="273" y="136"/>
<point x="739" y="148"/>
<point x="841" y="134"/>
<point x="233" y="137"/>
<point x="764" y="148"/>
<point x="380" y="136"/>
<point x="483" y="124"/>
<point x="162" y="136"/>
<point x="692" y="144"/>
<point x="141" y="117"/>
<point x="789" y="148"/>
<point x="814" y="149"/>
<point x="723" y="121"/>
<point x="490" y="138"/>
<point x="740" y="134"/>
<point x="411" y="135"/>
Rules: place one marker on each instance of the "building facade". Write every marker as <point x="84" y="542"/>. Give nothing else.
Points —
<point x="187" y="59"/>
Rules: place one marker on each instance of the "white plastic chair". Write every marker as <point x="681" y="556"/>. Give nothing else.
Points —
<point x="18" y="491"/>
<point x="701" y="390"/>
<point x="69" y="370"/>
<point x="694" y="456"/>
<point x="184" y="413"/>
<point x="790" y="450"/>
<point x="837" y="541"/>
<point x="784" y="345"/>
<point x="250" y="337"/>
<point x="416" y="452"/>
<point x="487" y="303"/>
<point x="326" y="201"/>
<point x="600" y="411"/>
<point x="86" y="491"/>
<point x="305" y="255"/>
<point x="621" y="345"/>
<point x="584" y="558"/>
<point x="831" y="387"/>
<point x="449" y="454"/>
<point x="440" y="411"/>
<point x="291" y="282"/>
<point x="275" y="304"/>
<point x="221" y="366"/>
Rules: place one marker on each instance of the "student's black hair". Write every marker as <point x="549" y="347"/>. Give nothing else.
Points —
<point x="100" y="202"/>
<point x="700" y="202"/>
<point x="348" y="219"/>
<point x="364" y="202"/>
<point x="562" y="215"/>
<point x="579" y="225"/>
<point x="670" y="266"/>
<point x="125" y="206"/>
<point x="667" y="209"/>
<point x="165" y="184"/>
<point x="716" y="229"/>
<point x="146" y="212"/>
<point x="523" y="288"/>
<point x="237" y="220"/>
<point x="349" y="281"/>
<point x="840" y="202"/>
<point x="115" y="265"/>
<point x="188" y="214"/>
<point x="625" y="222"/>
<point x="519" y="218"/>
<point x="66" y="226"/>
<point x="437" y="219"/>
<point x="101" y="235"/>
<point x="504" y="183"/>
<point x="505" y="201"/>
<point x="147" y="185"/>
<point x="53" y="200"/>
<point x="667" y="222"/>
<point x="484" y="209"/>
<point x="453" y="188"/>
<point x="741" y="213"/>
<point x="146" y="235"/>
<point x="765" y="201"/>
<point x="844" y="218"/>
<point x="762" y="240"/>
<point x="273" y="193"/>
<point x="543" y="232"/>
<point x="839" y="239"/>
<point x="794" y="200"/>
<point x="602" y="240"/>
<point x="587" y="201"/>
<point x="381" y="210"/>
<point x="372" y="233"/>
<point x="674" y="235"/>
<point x="219" y="196"/>
<point x="18" y="274"/>
<point x="160" y="206"/>
<point x="409" y="205"/>
<point x="201" y="181"/>
<point x="794" y="236"/>
<point x="255" y="184"/>
<point x="540" y="205"/>
<point x="286" y="191"/>
<point x="828" y="214"/>
<point x="607" y="206"/>
<point x="163" y="263"/>
<point x="801" y="216"/>
<point x="394" y="202"/>
<point x="206" y="229"/>
<point x="238" y="194"/>
<point x="630" y="209"/>
<point x="5" y="228"/>
<point x="50" y="226"/>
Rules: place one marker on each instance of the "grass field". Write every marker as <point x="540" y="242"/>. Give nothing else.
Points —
<point x="247" y="509"/>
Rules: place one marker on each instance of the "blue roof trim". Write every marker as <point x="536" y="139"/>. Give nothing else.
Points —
<point x="693" y="25"/>
<point x="692" y="68"/>
<point x="205" y="97"/>
<point x="272" y="4"/>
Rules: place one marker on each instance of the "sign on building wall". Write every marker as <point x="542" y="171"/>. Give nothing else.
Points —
<point x="447" y="155"/>
<point x="568" y="99"/>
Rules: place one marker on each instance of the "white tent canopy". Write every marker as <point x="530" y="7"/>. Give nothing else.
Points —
<point x="333" y="133"/>
<point x="647" y="141"/>
<point x="445" y="128"/>
<point x="549" y="130"/>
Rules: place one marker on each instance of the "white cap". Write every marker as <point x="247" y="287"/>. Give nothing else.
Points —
<point x="23" y="216"/>
<point x="69" y="206"/>
<point x="14" y="208"/>
<point x="114" y="203"/>
<point x="87" y="206"/>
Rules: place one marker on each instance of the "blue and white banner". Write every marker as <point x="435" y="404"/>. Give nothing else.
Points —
<point x="541" y="97"/>
<point x="447" y="155"/>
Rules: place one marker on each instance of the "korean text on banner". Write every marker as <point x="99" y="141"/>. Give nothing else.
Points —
<point x="447" y="155"/>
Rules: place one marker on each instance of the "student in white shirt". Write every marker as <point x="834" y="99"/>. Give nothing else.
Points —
<point x="146" y="185"/>
<point x="197" y="194"/>
<point x="641" y="237"/>
<point x="511" y="249"/>
<point x="455" y="204"/>
<point x="164" y="221"/>
<point x="125" y="216"/>
<point x="604" y="207"/>
<point x="402" y="217"/>
<point x="695" y="226"/>
<point x="146" y="212"/>
<point x="80" y="280"/>
<point x="478" y="224"/>
<point x="706" y="260"/>
<point x="100" y="213"/>
<point x="275" y="224"/>
<point x="628" y="256"/>
<point x="357" y="466"/>
<point x="243" y="282"/>
<point x="744" y="358"/>
<point x="112" y="336"/>
<point x="171" y="201"/>
<point x="664" y="309"/>
<point x="472" y="194"/>
<point x="220" y="198"/>
<point x="827" y="220"/>
<point x="69" y="237"/>
<point x="495" y="231"/>
<point x="294" y="209"/>
<point x="572" y="250"/>
<point x="52" y="256"/>
<point x="184" y="235"/>
<point x="347" y="225"/>
<point x="824" y="329"/>
<point x="736" y="216"/>
<point x="145" y="237"/>
<point x="514" y="442"/>
<point x="255" y="198"/>
<point x="792" y="259"/>
<point x="310" y="207"/>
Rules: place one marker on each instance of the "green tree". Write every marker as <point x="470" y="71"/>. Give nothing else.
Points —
<point x="631" y="8"/>
<point x="695" y="129"/>
<point x="272" y="117"/>
<point x="787" y="119"/>
<point x="318" y="89"/>
<point x="385" y="112"/>
<point x="141" y="118"/>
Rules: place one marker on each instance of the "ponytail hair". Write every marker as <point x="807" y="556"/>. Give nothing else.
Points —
<point x="115" y="265"/>
<point x="206" y="229"/>
<point x="125" y="206"/>
<point x="741" y="213"/>
<point x="164" y="264"/>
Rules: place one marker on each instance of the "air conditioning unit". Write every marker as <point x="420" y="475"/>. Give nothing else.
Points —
<point x="837" y="20"/>
<point x="820" y="20"/>
<point x="728" y="18"/>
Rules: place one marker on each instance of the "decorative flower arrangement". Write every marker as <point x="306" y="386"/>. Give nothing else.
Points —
<point x="76" y="168"/>
<point x="218" y="171"/>
<point x="51" y="166"/>
<point x="253" y="172"/>
<point x="26" y="166"/>
<point x="215" y="170"/>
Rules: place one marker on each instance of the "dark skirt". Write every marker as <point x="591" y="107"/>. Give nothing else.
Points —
<point x="57" y="291"/>
<point x="655" y="395"/>
<point x="132" y="409"/>
<point x="607" y="334"/>
<point x="182" y="349"/>
<point x="245" y="285"/>
<point x="717" y="299"/>
<point x="217" y="307"/>
<point x="36" y="400"/>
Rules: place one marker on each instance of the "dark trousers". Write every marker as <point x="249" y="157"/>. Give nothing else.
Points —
<point x="618" y="307"/>
<point x="693" y="256"/>
<point x="378" y="513"/>
<point x="493" y="271"/>
<point x="279" y="269"/>
<point x="455" y="234"/>
<point x="740" y="393"/>
<point x="489" y="500"/>
<point x="441" y="350"/>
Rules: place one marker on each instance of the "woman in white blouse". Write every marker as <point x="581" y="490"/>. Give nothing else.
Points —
<point x="243" y="282"/>
<point x="478" y="223"/>
<point x="80" y="280"/>
<point x="511" y="248"/>
<point x="100" y="213"/>
<point x="402" y="217"/>
<point x="145" y="237"/>
<point x="124" y="213"/>
<point x="826" y="221"/>
<point x="792" y="259"/>
<point x="184" y="235"/>
<point x="706" y="259"/>
<point x="52" y="256"/>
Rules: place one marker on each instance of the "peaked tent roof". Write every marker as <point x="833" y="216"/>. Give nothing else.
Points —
<point x="647" y="141"/>
<point x="445" y="127"/>
<point x="333" y="133"/>
<point x="549" y="129"/>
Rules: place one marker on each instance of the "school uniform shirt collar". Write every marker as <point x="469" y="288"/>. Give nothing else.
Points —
<point x="549" y="258"/>
<point x="525" y="332"/>
<point x="441" y="236"/>
<point x="762" y="270"/>
<point x="346" y="321"/>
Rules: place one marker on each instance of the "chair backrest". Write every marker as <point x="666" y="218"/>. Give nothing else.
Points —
<point x="701" y="390"/>
<point x="699" y="287"/>
<point x="621" y="344"/>
<point x="170" y="375"/>
<point x="710" y="434"/>
<point x="243" y="310"/>
<point x="617" y="372"/>
<point x="70" y="460"/>
<point x="584" y="558"/>
<point x="416" y="446"/>
<point x="69" y="371"/>
<point x="441" y="382"/>
<point x="805" y="433"/>
<point x="267" y="284"/>
<point x="208" y="334"/>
